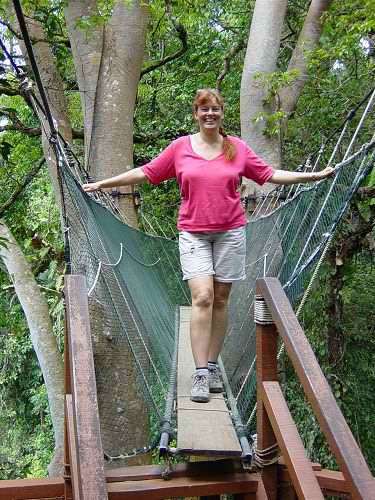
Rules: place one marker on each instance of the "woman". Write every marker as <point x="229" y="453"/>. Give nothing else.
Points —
<point x="208" y="166"/>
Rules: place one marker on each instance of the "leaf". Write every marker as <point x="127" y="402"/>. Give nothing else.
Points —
<point x="5" y="149"/>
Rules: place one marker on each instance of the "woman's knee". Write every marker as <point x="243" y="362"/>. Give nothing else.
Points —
<point x="220" y="301"/>
<point x="221" y="295"/>
<point x="203" y="297"/>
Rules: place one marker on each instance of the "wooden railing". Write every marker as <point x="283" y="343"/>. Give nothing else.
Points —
<point x="275" y="317"/>
<point x="84" y="461"/>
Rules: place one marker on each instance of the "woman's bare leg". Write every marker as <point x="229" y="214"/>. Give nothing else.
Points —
<point x="202" y="295"/>
<point x="219" y="319"/>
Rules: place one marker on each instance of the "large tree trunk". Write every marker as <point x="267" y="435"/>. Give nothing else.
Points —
<point x="36" y="311"/>
<point x="307" y="41"/>
<point x="35" y="307"/>
<point x="87" y="48"/>
<point x="112" y="57"/>
<point x="108" y="62"/>
<point x="54" y="88"/>
<point x="261" y="57"/>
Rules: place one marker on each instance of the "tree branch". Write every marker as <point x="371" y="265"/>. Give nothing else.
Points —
<point x="36" y="131"/>
<point x="21" y="186"/>
<point x="182" y="35"/>
<point x="6" y="89"/>
<point x="63" y="41"/>
<point x="307" y="41"/>
<point x="366" y="192"/>
<point x="31" y="132"/>
<point x="11" y="29"/>
<point x="233" y="51"/>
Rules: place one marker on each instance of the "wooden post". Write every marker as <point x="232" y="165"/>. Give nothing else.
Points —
<point x="68" y="391"/>
<point x="89" y="453"/>
<point x="266" y="367"/>
<point x="72" y="442"/>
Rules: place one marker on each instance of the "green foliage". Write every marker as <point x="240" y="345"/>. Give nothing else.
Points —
<point x="27" y="438"/>
<point x="339" y="74"/>
<point x="351" y="379"/>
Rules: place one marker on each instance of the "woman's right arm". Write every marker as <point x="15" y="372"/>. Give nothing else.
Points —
<point x="134" y="176"/>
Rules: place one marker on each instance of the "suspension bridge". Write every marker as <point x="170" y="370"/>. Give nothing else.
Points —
<point x="127" y="354"/>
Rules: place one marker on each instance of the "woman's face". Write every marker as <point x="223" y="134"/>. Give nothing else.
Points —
<point x="209" y="116"/>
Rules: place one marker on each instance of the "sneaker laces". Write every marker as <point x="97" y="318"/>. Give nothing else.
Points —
<point x="214" y="372"/>
<point x="199" y="382"/>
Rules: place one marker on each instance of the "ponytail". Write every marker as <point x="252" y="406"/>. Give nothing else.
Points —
<point x="229" y="149"/>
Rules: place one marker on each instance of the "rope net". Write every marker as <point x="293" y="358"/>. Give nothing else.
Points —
<point x="135" y="286"/>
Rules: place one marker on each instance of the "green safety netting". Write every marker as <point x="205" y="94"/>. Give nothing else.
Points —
<point x="135" y="286"/>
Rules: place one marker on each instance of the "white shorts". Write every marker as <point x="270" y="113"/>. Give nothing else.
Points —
<point x="221" y="254"/>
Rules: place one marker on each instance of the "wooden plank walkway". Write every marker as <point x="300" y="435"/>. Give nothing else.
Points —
<point x="203" y="428"/>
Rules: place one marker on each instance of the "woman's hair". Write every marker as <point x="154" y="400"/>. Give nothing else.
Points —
<point x="204" y="97"/>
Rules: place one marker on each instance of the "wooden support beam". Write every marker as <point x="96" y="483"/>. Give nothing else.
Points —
<point x="158" y="489"/>
<point x="317" y="390"/>
<point x="27" y="489"/>
<point x="202" y="472"/>
<point x="68" y="391"/>
<point x="290" y="443"/>
<point x="90" y="463"/>
<point x="261" y="491"/>
<point x="190" y="469"/>
<point x="72" y="444"/>
<point x="329" y="480"/>
<point x="266" y="369"/>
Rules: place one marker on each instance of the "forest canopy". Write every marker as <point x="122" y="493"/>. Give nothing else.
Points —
<point x="120" y="77"/>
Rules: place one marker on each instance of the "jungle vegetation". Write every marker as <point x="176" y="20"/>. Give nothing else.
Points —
<point x="284" y="101"/>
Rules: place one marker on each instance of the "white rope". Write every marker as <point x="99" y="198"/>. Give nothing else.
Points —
<point x="329" y="237"/>
<point x="101" y="263"/>
<point x="262" y="315"/>
<point x="95" y="280"/>
<point x="267" y="456"/>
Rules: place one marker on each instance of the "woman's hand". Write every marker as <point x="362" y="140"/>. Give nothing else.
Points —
<point x="287" y="178"/>
<point x="323" y="174"/>
<point x="92" y="186"/>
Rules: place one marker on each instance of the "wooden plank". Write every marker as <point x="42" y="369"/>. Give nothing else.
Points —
<point x="204" y="429"/>
<point x="216" y="404"/>
<point x="290" y="443"/>
<point x="333" y="480"/>
<point x="242" y="496"/>
<point x="261" y="491"/>
<point x="314" y="465"/>
<point x="72" y="444"/>
<point x="318" y="392"/>
<point x="266" y="369"/>
<point x="68" y="391"/>
<point x="329" y="480"/>
<point x="190" y="469"/>
<point x="27" y="489"/>
<point x="215" y="434"/>
<point x="89" y="445"/>
<point x="155" y="489"/>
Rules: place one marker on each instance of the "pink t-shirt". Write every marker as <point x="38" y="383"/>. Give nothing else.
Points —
<point x="210" y="200"/>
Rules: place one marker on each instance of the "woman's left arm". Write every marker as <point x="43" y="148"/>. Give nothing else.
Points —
<point x="286" y="177"/>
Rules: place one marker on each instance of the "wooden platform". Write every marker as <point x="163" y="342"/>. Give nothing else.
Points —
<point x="203" y="428"/>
